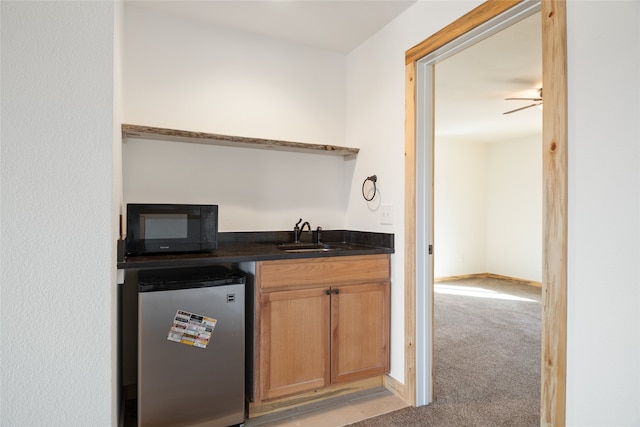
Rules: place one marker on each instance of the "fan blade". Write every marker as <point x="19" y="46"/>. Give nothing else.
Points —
<point x="523" y="99"/>
<point x="523" y="108"/>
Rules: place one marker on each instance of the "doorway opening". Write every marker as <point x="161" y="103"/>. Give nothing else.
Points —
<point x="487" y="19"/>
<point x="488" y="221"/>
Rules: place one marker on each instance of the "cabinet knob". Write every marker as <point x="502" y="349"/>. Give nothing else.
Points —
<point x="337" y="291"/>
<point x="328" y="292"/>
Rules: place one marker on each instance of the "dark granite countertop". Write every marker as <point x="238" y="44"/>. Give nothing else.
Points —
<point x="234" y="247"/>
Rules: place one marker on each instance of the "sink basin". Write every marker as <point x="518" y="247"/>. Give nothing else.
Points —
<point x="303" y="247"/>
<point x="303" y="250"/>
<point x="310" y="247"/>
<point x="299" y="245"/>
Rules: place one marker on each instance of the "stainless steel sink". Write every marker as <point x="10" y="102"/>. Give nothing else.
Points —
<point x="303" y="247"/>
<point x="308" y="250"/>
<point x="310" y="247"/>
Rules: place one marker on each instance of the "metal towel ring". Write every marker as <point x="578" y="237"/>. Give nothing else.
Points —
<point x="373" y="179"/>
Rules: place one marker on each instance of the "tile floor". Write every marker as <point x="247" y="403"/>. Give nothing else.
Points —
<point x="334" y="412"/>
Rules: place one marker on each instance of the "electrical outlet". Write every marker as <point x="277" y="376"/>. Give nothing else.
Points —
<point x="386" y="214"/>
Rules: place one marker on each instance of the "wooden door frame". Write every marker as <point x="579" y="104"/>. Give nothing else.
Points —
<point x="554" y="276"/>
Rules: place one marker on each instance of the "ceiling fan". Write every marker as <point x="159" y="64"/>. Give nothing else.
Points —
<point x="536" y="102"/>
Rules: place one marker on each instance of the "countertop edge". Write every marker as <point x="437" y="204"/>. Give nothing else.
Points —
<point x="237" y="247"/>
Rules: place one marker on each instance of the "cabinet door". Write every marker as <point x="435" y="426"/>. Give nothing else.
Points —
<point x="360" y="331"/>
<point x="295" y="340"/>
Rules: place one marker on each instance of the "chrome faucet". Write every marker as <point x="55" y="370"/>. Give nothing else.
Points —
<point x="297" y="231"/>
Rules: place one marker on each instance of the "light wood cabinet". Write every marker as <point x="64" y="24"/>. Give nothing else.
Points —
<point x="320" y="321"/>
<point x="360" y="331"/>
<point x="294" y="350"/>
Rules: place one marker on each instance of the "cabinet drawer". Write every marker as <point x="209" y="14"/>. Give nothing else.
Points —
<point x="309" y="272"/>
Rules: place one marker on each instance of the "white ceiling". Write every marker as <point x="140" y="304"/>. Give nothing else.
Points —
<point x="470" y="86"/>
<point x="337" y="25"/>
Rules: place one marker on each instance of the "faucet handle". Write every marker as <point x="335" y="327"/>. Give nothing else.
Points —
<point x="318" y="234"/>
<point x="296" y="231"/>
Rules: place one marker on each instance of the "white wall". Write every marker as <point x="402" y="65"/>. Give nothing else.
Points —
<point x="603" y="324"/>
<point x="488" y="208"/>
<point x="189" y="75"/>
<point x="514" y="208"/>
<point x="460" y="208"/>
<point x="57" y="265"/>
<point x="254" y="189"/>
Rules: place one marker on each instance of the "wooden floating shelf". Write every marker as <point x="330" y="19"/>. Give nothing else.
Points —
<point x="147" y="132"/>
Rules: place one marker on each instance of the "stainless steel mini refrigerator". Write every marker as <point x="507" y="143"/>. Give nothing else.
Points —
<point x="191" y="347"/>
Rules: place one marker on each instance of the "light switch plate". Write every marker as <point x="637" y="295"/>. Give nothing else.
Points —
<point x="386" y="214"/>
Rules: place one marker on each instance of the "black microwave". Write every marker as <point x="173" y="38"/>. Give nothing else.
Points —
<point x="170" y="228"/>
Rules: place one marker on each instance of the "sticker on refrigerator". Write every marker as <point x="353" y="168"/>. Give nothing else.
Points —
<point x="192" y="329"/>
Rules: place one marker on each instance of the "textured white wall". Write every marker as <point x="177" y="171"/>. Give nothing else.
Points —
<point x="514" y="208"/>
<point x="117" y="203"/>
<point x="57" y="263"/>
<point x="460" y="208"/>
<point x="603" y="316"/>
<point x="187" y="75"/>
